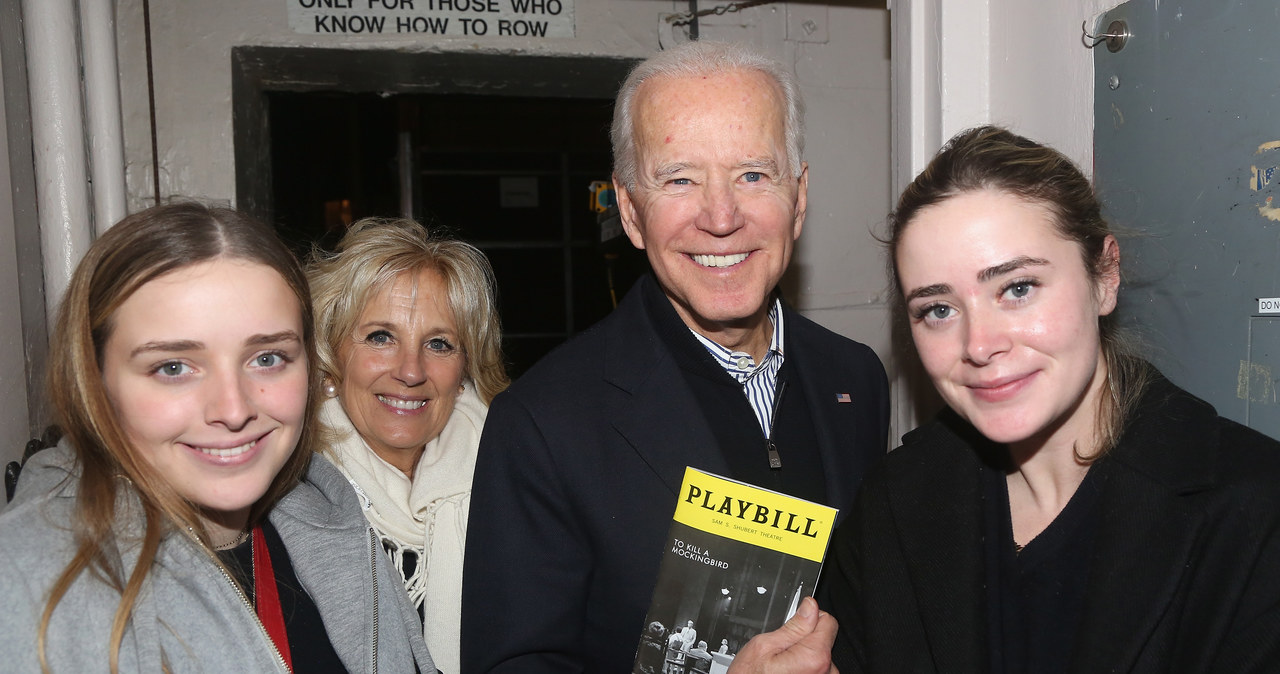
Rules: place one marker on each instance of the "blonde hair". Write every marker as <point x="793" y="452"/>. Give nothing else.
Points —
<point x="140" y="248"/>
<point x="376" y="251"/>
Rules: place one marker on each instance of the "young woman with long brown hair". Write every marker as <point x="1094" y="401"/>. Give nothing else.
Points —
<point x="184" y="524"/>
<point x="1072" y="510"/>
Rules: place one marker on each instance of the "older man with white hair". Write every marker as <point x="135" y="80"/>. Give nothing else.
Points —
<point x="701" y="365"/>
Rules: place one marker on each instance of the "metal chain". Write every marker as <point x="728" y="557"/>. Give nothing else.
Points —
<point x="687" y="17"/>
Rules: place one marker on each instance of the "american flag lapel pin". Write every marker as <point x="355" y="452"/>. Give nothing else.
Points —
<point x="843" y="398"/>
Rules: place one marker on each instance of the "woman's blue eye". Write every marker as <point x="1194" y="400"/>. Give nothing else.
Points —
<point x="933" y="312"/>
<point x="173" y="369"/>
<point x="269" y="360"/>
<point x="439" y="345"/>
<point x="379" y="337"/>
<point x="1020" y="290"/>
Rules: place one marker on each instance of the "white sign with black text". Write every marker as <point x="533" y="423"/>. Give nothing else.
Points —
<point x="444" y="18"/>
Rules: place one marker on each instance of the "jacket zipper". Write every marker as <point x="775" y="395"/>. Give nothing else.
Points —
<point x="373" y="566"/>
<point x="249" y="605"/>
<point x="775" y="460"/>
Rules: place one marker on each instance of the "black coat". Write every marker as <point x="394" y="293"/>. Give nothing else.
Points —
<point x="577" y="477"/>
<point x="1185" y="574"/>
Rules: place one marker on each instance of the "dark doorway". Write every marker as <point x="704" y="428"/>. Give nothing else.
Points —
<point x="509" y="175"/>
<point x="507" y="166"/>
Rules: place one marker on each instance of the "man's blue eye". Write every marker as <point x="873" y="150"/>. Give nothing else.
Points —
<point x="752" y="176"/>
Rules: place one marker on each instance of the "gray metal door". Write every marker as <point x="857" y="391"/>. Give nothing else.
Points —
<point x="1187" y="144"/>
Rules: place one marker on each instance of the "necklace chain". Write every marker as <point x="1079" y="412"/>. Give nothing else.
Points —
<point x="240" y="538"/>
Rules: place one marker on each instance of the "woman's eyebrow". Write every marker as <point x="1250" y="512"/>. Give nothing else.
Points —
<point x="273" y="338"/>
<point x="170" y="346"/>
<point x="1006" y="267"/>
<point x="928" y="291"/>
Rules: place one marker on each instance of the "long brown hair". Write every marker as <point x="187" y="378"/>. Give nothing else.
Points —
<point x="140" y="248"/>
<point x="989" y="157"/>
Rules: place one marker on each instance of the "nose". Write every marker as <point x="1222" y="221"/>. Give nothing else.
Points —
<point x="986" y="337"/>
<point x="409" y="368"/>
<point x="720" y="215"/>
<point x="230" y="403"/>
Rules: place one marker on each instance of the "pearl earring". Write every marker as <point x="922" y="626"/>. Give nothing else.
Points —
<point x="330" y="389"/>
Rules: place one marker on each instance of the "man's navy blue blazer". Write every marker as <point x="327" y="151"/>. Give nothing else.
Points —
<point x="578" y="472"/>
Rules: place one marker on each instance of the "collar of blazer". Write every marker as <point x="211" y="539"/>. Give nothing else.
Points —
<point x="654" y="409"/>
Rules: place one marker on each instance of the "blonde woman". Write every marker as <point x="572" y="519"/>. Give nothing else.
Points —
<point x="410" y="350"/>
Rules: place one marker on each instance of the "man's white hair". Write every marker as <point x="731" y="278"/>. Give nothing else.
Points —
<point x="695" y="59"/>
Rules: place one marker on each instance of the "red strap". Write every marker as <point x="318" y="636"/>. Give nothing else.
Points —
<point x="267" y="597"/>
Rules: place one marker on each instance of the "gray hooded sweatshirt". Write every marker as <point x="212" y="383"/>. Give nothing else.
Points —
<point x="189" y="617"/>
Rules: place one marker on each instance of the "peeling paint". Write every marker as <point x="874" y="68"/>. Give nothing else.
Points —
<point x="1255" y="383"/>
<point x="1268" y="211"/>
<point x="1117" y="117"/>
<point x="1260" y="178"/>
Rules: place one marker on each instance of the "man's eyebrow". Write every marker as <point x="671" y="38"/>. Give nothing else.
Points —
<point x="667" y="170"/>
<point x="1006" y="267"/>
<point x="762" y="164"/>
<point x="928" y="291"/>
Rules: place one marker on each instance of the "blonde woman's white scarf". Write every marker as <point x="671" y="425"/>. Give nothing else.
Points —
<point x="427" y="515"/>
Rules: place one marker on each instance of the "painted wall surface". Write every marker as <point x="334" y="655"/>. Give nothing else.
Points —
<point x="13" y="379"/>
<point x="840" y="54"/>
<point x="1015" y="63"/>
<point x="1041" y="76"/>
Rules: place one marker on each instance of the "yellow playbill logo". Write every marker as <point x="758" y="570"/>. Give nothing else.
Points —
<point x="753" y="515"/>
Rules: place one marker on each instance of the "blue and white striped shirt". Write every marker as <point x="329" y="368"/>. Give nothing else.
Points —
<point x="759" y="381"/>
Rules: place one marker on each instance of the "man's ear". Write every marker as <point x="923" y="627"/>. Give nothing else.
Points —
<point x="627" y="213"/>
<point x="802" y="199"/>
<point x="1109" y="276"/>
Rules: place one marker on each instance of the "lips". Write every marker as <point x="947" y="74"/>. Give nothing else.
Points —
<point x="1002" y="389"/>
<point x="400" y="403"/>
<point x="226" y="453"/>
<point x="719" y="261"/>
<point x="233" y="454"/>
